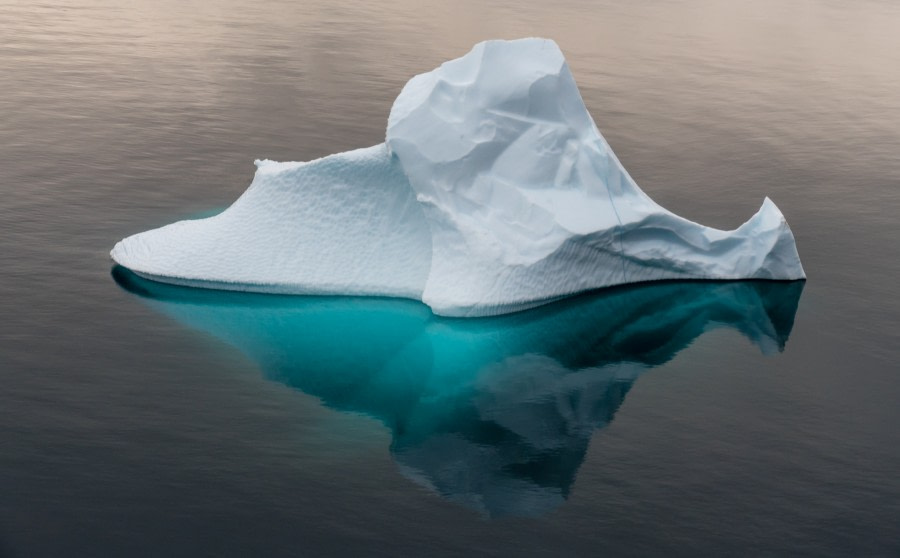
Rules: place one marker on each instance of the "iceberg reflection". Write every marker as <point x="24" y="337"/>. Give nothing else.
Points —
<point x="493" y="413"/>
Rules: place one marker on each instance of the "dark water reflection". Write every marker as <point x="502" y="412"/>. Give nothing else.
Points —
<point x="495" y="413"/>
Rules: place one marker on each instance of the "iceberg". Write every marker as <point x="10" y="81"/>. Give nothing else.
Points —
<point x="494" y="192"/>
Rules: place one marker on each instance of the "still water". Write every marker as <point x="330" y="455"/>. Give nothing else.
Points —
<point x="139" y="419"/>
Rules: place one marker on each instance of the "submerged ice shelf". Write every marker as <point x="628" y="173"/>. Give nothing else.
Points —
<point x="493" y="192"/>
<point x="495" y="414"/>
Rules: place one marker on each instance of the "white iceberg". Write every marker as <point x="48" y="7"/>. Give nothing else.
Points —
<point x="494" y="192"/>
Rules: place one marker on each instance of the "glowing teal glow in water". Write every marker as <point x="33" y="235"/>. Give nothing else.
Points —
<point x="494" y="413"/>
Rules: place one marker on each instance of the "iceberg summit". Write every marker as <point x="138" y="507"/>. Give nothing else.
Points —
<point x="493" y="192"/>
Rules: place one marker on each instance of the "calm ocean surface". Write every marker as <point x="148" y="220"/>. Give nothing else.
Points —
<point x="138" y="419"/>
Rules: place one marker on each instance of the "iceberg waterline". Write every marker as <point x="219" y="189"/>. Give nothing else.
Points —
<point x="493" y="192"/>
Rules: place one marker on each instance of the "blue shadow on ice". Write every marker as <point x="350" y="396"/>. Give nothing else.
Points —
<point x="493" y="413"/>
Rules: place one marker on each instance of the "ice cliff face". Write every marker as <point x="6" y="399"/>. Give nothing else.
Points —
<point x="527" y="201"/>
<point x="496" y="192"/>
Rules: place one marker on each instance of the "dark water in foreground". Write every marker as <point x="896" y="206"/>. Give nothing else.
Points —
<point x="138" y="419"/>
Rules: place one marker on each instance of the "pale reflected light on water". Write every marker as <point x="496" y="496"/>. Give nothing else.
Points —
<point x="126" y="432"/>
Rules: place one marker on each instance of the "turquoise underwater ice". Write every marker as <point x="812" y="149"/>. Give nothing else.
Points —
<point x="496" y="413"/>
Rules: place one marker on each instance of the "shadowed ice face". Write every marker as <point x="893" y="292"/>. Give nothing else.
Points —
<point x="493" y="413"/>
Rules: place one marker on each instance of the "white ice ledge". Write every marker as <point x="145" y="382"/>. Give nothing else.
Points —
<point x="494" y="192"/>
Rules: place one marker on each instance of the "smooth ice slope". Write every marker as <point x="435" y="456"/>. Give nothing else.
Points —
<point x="495" y="192"/>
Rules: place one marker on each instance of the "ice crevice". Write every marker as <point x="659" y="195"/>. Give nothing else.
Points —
<point x="493" y="192"/>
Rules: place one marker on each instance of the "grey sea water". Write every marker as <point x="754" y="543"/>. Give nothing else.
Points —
<point x="139" y="419"/>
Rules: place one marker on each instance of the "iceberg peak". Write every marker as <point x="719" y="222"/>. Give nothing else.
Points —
<point x="494" y="192"/>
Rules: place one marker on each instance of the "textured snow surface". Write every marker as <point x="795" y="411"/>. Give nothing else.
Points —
<point x="347" y="223"/>
<point x="495" y="192"/>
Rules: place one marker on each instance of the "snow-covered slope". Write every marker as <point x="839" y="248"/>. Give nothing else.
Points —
<point x="496" y="192"/>
<point x="347" y="224"/>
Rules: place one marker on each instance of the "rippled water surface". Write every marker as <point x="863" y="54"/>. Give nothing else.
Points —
<point x="138" y="419"/>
